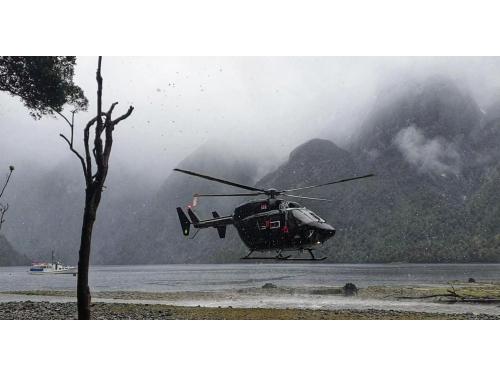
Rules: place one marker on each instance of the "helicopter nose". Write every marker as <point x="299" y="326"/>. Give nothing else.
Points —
<point x="330" y="232"/>
<point x="326" y="233"/>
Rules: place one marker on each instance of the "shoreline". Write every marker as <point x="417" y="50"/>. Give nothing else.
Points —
<point x="266" y="302"/>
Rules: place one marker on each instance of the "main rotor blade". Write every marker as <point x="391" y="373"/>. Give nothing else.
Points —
<point x="218" y="180"/>
<point x="328" y="183"/>
<point x="311" y="198"/>
<point x="228" y="195"/>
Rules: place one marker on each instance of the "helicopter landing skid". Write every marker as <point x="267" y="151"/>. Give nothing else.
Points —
<point x="311" y="259"/>
<point x="248" y="257"/>
<point x="305" y="259"/>
<point x="283" y="258"/>
<point x="278" y="256"/>
<point x="265" y="258"/>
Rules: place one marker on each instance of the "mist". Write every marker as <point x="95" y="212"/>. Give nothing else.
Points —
<point x="428" y="155"/>
<point x="261" y="106"/>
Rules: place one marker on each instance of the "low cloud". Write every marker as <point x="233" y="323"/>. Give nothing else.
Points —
<point x="434" y="155"/>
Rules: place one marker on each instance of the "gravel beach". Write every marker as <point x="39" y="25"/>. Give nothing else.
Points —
<point x="29" y="310"/>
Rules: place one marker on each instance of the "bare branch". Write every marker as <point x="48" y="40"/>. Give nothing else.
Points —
<point x="11" y="169"/>
<point x="72" y="125"/>
<point x="90" y="123"/>
<point x="5" y="207"/>
<point x="123" y="117"/>
<point x="85" y="163"/>
<point x="100" y="126"/>
<point x="107" y="122"/>
<point x="108" y="114"/>
<point x="66" y="139"/>
<point x="64" y="117"/>
<point x="76" y="153"/>
<point x="86" y="137"/>
<point x="3" y="210"/>
<point x="110" y="127"/>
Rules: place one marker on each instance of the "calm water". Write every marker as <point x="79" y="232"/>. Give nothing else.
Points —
<point x="166" y="278"/>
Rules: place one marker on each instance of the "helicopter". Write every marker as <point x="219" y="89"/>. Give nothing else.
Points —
<point x="270" y="224"/>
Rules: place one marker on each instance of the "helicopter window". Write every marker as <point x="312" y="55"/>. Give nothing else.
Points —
<point x="301" y="216"/>
<point x="275" y="224"/>
<point x="306" y="216"/>
<point x="316" y="216"/>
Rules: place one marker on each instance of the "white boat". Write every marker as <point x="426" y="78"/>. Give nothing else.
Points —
<point x="52" y="268"/>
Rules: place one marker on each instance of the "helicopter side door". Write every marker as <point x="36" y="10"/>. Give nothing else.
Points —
<point x="276" y="223"/>
<point x="270" y="229"/>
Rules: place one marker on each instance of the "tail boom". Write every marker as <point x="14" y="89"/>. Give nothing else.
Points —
<point x="217" y="222"/>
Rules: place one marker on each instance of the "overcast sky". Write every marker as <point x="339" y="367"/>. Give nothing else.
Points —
<point x="265" y="106"/>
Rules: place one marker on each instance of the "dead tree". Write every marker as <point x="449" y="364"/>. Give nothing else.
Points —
<point x="5" y="207"/>
<point x="95" y="177"/>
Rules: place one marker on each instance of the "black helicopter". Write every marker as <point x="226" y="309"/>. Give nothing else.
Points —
<point x="269" y="224"/>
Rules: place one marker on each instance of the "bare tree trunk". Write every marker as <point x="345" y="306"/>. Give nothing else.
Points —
<point x="94" y="182"/>
<point x="82" y="288"/>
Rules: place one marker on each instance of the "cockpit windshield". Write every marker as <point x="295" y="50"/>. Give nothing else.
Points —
<point x="306" y="216"/>
<point x="316" y="217"/>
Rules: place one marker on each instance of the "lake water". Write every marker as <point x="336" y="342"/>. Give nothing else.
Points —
<point x="225" y="280"/>
<point x="216" y="277"/>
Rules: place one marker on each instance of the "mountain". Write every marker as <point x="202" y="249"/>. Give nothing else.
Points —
<point x="322" y="155"/>
<point x="425" y="143"/>
<point x="484" y="209"/>
<point x="9" y="257"/>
